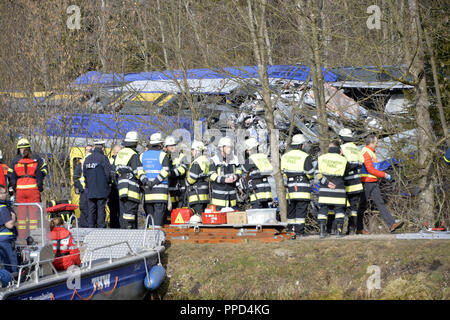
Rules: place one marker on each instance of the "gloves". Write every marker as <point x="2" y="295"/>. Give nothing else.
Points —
<point x="11" y="191"/>
<point x="388" y="177"/>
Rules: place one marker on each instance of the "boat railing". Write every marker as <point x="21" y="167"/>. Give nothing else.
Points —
<point x="36" y="204"/>
<point x="73" y="216"/>
<point x="110" y="246"/>
<point x="146" y="227"/>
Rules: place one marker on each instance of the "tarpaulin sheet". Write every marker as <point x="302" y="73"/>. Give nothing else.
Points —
<point x="287" y="72"/>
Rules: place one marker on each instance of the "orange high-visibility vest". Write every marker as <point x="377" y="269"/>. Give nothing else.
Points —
<point x="26" y="174"/>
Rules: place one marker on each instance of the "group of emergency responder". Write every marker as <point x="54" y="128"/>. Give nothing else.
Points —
<point x="347" y="177"/>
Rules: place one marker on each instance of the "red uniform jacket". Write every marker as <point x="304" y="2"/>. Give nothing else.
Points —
<point x="68" y="254"/>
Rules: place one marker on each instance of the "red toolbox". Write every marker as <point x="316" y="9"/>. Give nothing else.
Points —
<point x="181" y="216"/>
<point x="214" y="218"/>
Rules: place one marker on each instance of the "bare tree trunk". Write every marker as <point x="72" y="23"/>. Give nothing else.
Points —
<point x="161" y="28"/>
<point x="436" y="86"/>
<point x="101" y="38"/>
<point x="424" y="129"/>
<point x="318" y="81"/>
<point x="261" y="55"/>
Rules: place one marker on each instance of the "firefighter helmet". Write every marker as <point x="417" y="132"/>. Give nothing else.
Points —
<point x="198" y="145"/>
<point x="156" y="138"/>
<point x="298" y="139"/>
<point x="170" y="141"/>
<point x="251" y="143"/>
<point x="132" y="136"/>
<point x="23" y="143"/>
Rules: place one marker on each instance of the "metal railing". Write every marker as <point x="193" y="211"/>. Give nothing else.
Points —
<point x="36" y="204"/>
<point x="91" y="251"/>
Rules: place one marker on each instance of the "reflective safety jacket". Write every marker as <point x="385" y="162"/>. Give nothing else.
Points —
<point x="197" y="181"/>
<point x="78" y="177"/>
<point x="156" y="165"/>
<point x="355" y="161"/>
<point x="369" y="171"/>
<point x="5" y="216"/>
<point x="129" y="172"/>
<point x="177" y="176"/>
<point x="66" y="252"/>
<point x="4" y="169"/>
<point x="224" y="194"/>
<point x="258" y="168"/>
<point x="297" y="169"/>
<point x="334" y="167"/>
<point x="3" y="183"/>
<point x="42" y="165"/>
<point x="27" y="176"/>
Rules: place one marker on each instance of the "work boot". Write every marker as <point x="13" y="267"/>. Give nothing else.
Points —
<point x="340" y="230"/>
<point x="363" y="231"/>
<point x="351" y="226"/>
<point x="396" y="226"/>
<point x="323" y="230"/>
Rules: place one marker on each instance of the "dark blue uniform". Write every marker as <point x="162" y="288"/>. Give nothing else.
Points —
<point x="447" y="156"/>
<point x="8" y="255"/>
<point x="97" y="170"/>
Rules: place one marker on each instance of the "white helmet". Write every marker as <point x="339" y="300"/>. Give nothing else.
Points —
<point x="298" y="139"/>
<point x="251" y="143"/>
<point x="132" y="136"/>
<point x="198" y="145"/>
<point x="170" y="141"/>
<point x="225" y="141"/>
<point x="195" y="219"/>
<point x="156" y="138"/>
<point x="345" y="133"/>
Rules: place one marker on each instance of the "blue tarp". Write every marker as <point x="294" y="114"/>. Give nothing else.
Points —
<point x="288" y="72"/>
<point x="109" y="126"/>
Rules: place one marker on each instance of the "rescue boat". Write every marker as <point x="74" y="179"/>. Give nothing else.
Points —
<point x="117" y="264"/>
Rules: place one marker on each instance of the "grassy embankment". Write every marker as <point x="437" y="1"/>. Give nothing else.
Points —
<point x="327" y="269"/>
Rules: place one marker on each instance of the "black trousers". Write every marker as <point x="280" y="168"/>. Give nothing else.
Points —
<point x="157" y="210"/>
<point x="354" y="199"/>
<point x="372" y="191"/>
<point x="259" y="204"/>
<point x="84" y="209"/>
<point x="97" y="214"/>
<point x="114" y="207"/>
<point x="129" y="210"/>
<point x="296" y="212"/>
<point x="198" y="208"/>
<point x="339" y="210"/>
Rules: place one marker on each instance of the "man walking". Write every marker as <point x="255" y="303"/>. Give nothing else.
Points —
<point x="369" y="178"/>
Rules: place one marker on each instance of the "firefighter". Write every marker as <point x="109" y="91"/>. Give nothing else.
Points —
<point x="27" y="181"/>
<point x="113" y="200"/>
<point x="97" y="174"/>
<point x="197" y="179"/>
<point x="298" y="170"/>
<point x="258" y="168"/>
<point x="8" y="234"/>
<point x="128" y="174"/>
<point x="369" y="179"/>
<point x="4" y="169"/>
<point x="64" y="248"/>
<point x="332" y="168"/>
<point x="22" y="145"/>
<point x="353" y="185"/>
<point x="80" y="188"/>
<point x="156" y="164"/>
<point x="224" y="172"/>
<point x="177" y="172"/>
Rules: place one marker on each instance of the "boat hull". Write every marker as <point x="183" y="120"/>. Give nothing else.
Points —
<point x="122" y="279"/>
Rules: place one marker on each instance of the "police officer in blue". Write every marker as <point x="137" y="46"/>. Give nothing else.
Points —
<point x="8" y="234"/>
<point x="157" y="165"/>
<point x="97" y="173"/>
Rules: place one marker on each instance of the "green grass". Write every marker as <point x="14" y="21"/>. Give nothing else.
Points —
<point x="410" y="269"/>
